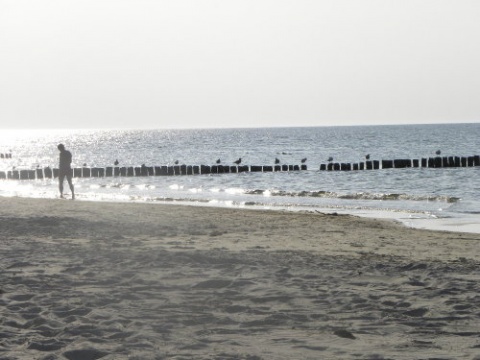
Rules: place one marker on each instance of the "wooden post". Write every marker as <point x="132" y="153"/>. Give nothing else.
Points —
<point x="277" y="168"/>
<point x="164" y="170"/>
<point x="402" y="163"/>
<point x="3" y="175"/>
<point x="303" y="167"/>
<point x="170" y="170"/>
<point x="256" y="168"/>
<point x="470" y="161"/>
<point x="415" y="163"/>
<point x="39" y="173"/>
<point x="355" y="166"/>
<point x="130" y="171"/>
<point x="387" y="164"/>
<point x="85" y="172"/>
<point x="445" y="162"/>
<point x="451" y="161"/>
<point x="233" y="169"/>
<point x="345" y="167"/>
<point x="48" y="172"/>
<point x="109" y="171"/>
<point x="196" y="169"/>
<point x="205" y="169"/>
<point x="476" y="160"/>
<point x="23" y="175"/>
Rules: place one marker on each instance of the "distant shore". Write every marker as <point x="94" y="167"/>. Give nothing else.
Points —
<point x="83" y="279"/>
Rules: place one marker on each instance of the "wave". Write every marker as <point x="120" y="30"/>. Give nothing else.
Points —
<point x="258" y="204"/>
<point x="354" y="196"/>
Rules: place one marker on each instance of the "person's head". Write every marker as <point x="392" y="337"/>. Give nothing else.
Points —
<point x="61" y="147"/>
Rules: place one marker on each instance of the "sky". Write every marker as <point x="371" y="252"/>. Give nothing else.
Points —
<point x="246" y="63"/>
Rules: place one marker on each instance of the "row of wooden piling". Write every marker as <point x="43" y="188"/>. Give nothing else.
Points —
<point x="86" y="172"/>
<point x="432" y="162"/>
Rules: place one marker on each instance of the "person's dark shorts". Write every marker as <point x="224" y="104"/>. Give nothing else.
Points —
<point x="62" y="174"/>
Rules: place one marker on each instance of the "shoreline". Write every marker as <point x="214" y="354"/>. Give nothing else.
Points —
<point x="465" y="223"/>
<point x="83" y="279"/>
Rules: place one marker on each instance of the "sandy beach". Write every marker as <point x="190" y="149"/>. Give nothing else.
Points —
<point x="87" y="280"/>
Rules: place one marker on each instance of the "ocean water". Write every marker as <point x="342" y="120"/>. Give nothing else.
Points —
<point x="446" y="198"/>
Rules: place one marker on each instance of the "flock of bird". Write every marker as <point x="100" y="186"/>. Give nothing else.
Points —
<point x="237" y="162"/>
<point x="277" y="160"/>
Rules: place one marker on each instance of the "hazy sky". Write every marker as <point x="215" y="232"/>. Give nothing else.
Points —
<point x="229" y="63"/>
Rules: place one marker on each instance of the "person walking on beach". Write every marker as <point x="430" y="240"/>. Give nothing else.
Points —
<point x="65" y="170"/>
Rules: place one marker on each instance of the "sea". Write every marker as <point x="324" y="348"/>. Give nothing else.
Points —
<point x="430" y="198"/>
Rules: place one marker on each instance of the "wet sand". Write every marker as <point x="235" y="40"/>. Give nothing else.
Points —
<point x="88" y="280"/>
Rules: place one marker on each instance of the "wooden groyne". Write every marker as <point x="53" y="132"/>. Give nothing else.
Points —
<point x="177" y="170"/>
<point x="135" y="171"/>
<point x="432" y="162"/>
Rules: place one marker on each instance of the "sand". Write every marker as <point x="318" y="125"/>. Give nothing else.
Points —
<point x="88" y="280"/>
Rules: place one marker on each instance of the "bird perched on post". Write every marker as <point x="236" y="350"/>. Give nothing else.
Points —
<point x="176" y="162"/>
<point x="277" y="161"/>
<point x="330" y="159"/>
<point x="367" y="156"/>
<point x="238" y="161"/>
<point x="438" y="152"/>
<point x="116" y="162"/>
<point x="218" y="161"/>
<point x="303" y="160"/>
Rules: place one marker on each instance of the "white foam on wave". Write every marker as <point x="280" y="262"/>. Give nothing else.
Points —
<point x="427" y="221"/>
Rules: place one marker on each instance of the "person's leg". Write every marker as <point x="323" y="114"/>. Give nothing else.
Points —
<point x="60" y="184"/>
<point x="69" y="179"/>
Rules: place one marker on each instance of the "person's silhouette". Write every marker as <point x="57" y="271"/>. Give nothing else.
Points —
<point x="65" y="170"/>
